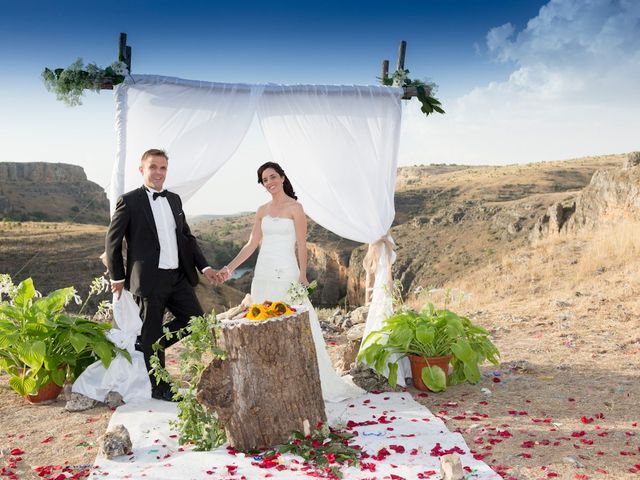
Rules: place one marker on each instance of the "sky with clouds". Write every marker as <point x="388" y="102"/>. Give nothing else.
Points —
<point x="520" y="80"/>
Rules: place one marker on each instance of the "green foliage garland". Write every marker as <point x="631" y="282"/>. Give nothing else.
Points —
<point x="424" y="89"/>
<point x="70" y="83"/>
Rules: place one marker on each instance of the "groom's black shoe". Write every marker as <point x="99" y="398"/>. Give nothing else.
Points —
<point x="162" y="392"/>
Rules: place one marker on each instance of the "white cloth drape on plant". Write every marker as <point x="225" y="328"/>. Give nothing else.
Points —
<point x="338" y="145"/>
<point x="130" y="380"/>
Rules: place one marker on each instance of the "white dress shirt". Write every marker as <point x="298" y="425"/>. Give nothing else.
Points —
<point x="166" y="228"/>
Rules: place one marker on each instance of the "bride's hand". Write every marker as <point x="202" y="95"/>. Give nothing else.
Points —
<point x="303" y="280"/>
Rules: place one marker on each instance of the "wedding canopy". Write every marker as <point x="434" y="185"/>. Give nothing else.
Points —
<point x="337" y="144"/>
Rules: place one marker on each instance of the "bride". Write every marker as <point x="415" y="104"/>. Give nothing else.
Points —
<point x="280" y="229"/>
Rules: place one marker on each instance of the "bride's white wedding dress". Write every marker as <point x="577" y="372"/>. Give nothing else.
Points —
<point x="276" y="269"/>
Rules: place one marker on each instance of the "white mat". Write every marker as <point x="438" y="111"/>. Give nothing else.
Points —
<point x="400" y="421"/>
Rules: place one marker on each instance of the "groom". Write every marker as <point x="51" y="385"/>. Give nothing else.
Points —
<point x="161" y="261"/>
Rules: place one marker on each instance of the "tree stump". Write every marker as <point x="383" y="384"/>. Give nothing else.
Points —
<point x="269" y="384"/>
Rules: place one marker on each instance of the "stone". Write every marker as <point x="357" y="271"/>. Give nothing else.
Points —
<point x="79" y="403"/>
<point x="359" y="315"/>
<point x="347" y="356"/>
<point x="115" y="443"/>
<point x="114" y="400"/>
<point x="356" y="332"/>
<point x="451" y="467"/>
<point x="632" y="160"/>
<point x="367" y="379"/>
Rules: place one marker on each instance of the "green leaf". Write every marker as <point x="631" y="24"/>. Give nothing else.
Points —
<point x="33" y="354"/>
<point x="434" y="378"/>
<point x="104" y="352"/>
<point x="23" y="386"/>
<point x="24" y="293"/>
<point x="393" y="374"/>
<point x="78" y="341"/>
<point x="425" y="333"/>
<point x="59" y="375"/>
<point x="463" y="351"/>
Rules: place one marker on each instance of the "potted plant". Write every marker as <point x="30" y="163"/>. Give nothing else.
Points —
<point x="424" y="336"/>
<point x="42" y="346"/>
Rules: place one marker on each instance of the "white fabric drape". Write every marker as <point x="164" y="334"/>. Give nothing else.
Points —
<point x="338" y="145"/>
<point x="200" y="124"/>
<point x="129" y="379"/>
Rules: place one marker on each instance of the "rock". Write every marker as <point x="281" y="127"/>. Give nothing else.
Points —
<point x="632" y="160"/>
<point x="115" y="442"/>
<point x="451" y="467"/>
<point x="367" y="379"/>
<point x="79" y="403"/>
<point x="327" y="327"/>
<point x="114" y="400"/>
<point x="359" y="315"/>
<point x="356" y="332"/>
<point x="347" y="356"/>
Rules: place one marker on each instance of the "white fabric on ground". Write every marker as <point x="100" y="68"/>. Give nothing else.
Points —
<point x="130" y="380"/>
<point x="156" y="454"/>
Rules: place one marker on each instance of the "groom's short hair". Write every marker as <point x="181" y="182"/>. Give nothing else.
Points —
<point x="154" y="152"/>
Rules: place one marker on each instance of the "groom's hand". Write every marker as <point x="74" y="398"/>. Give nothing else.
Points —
<point x="116" y="289"/>
<point x="211" y="275"/>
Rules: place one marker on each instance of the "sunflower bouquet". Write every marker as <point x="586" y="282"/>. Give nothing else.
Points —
<point x="268" y="309"/>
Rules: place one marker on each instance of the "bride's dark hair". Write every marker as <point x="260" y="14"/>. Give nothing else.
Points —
<point x="287" y="187"/>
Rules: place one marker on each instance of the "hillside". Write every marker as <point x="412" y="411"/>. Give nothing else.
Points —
<point x="53" y="192"/>
<point x="450" y="220"/>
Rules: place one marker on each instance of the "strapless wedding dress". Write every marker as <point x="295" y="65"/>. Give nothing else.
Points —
<point x="276" y="269"/>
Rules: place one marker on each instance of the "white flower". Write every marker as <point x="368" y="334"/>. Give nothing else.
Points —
<point x="119" y="68"/>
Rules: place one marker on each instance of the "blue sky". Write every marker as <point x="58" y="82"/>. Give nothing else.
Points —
<point x="521" y="80"/>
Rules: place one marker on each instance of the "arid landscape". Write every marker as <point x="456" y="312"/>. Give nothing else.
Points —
<point x="541" y="255"/>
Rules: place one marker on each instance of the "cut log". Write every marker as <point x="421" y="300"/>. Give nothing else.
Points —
<point x="269" y="384"/>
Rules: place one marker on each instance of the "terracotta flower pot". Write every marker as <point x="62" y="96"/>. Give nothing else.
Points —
<point x="47" y="393"/>
<point x="418" y="363"/>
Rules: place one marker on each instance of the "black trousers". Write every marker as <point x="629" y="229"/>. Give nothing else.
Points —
<point x="174" y="293"/>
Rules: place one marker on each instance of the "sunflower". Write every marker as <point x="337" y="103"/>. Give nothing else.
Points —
<point x="280" y="308"/>
<point x="257" y="311"/>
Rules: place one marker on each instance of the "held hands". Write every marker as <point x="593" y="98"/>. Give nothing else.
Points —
<point x="212" y="275"/>
<point x="224" y="274"/>
<point x="217" y="276"/>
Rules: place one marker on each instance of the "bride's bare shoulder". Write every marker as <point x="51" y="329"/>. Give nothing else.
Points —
<point x="295" y="208"/>
<point x="262" y="211"/>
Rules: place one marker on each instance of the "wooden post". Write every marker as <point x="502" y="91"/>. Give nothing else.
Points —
<point x="122" y="47"/>
<point x="269" y="384"/>
<point x="385" y="72"/>
<point x="401" y="53"/>
<point x="128" y="58"/>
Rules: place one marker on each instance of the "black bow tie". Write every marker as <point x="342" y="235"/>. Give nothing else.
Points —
<point x="159" y="194"/>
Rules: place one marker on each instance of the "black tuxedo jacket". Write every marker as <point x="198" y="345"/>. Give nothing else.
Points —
<point x="133" y="221"/>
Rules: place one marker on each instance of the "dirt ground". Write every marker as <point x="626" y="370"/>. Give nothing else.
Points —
<point x="562" y="404"/>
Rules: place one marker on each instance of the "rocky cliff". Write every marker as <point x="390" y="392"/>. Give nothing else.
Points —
<point x="51" y="192"/>
<point x="611" y="195"/>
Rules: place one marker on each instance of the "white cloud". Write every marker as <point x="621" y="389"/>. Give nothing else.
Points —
<point x="573" y="91"/>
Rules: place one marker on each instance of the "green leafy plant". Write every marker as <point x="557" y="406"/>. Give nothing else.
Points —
<point x="70" y="83"/>
<point x="195" y="424"/>
<point x="325" y="448"/>
<point x="41" y="343"/>
<point x="424" y="90"/>
<point x="430" y="333"/>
